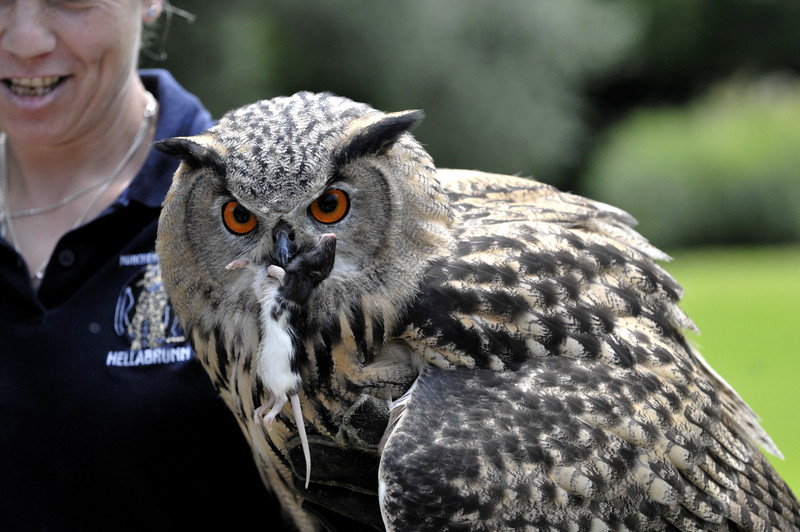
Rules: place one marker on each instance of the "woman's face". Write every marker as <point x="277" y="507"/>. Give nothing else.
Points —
<point x="64" y="65"/>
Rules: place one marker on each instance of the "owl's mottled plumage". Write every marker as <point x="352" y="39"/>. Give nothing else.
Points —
<point x="512" y="353"/>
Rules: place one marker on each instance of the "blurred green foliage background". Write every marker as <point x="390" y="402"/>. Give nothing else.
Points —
<point x="686" y="113"/>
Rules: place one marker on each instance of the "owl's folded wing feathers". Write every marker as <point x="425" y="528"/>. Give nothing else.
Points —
<point x="483" y="194"/>
<point x="563" y="442"/>
<point x="539" y="276"/>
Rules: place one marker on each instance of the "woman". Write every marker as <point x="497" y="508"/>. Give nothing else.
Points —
<point x="106" y="419"/>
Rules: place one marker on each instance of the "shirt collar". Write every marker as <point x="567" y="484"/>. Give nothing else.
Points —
<point x="179" y="114"/>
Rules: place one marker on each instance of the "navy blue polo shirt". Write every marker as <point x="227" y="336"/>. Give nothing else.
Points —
<point x="107" y="420"/>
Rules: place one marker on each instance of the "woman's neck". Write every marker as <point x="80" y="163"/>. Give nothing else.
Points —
<point x="42" y="174"/>
<point x="40" y="177"/>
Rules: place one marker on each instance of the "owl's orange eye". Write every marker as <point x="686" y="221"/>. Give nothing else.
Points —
<point x="237" y="219"/>
<point x="330" y="207"/>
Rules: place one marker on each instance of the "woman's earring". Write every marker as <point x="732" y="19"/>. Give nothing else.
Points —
<point x="152" y="11"/>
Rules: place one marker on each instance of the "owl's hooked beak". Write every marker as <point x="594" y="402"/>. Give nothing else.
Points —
<point x="284" y="249"/>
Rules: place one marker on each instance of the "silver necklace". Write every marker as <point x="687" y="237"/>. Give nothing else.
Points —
<point x="7" y="216"/>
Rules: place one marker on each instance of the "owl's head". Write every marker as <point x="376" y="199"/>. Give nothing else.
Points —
<point x="270" y="178"/>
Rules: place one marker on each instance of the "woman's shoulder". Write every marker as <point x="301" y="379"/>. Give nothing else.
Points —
<point x="181" y="113"/>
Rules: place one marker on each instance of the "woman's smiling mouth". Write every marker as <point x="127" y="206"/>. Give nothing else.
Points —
<point x="38" y="86"/>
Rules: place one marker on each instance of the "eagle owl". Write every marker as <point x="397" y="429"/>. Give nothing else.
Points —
<point x="511" y="356"/>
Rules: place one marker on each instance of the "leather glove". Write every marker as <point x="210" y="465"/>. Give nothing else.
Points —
<point x="343" y="492"/>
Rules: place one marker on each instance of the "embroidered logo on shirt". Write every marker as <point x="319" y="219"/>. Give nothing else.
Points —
<point x="140" y="259"/>
<point x="144" y="316"/>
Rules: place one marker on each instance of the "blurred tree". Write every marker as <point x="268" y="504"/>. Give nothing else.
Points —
<point x="687" y="46"/>
<point x="500" y="81"/>
<point x="518" y="86"/>
<point x="722" y="170"/>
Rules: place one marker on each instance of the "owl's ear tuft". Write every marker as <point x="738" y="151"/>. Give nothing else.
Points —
<point x="194" y="154"/>
<point x="378" y="136"/>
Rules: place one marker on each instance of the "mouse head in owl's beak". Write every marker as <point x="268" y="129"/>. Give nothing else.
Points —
<point x="315" y="262"/>
<point x="307" y="269"/>
<point x="303" y="269"/>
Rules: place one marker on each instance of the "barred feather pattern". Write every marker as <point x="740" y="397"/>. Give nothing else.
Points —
<point x="609" y="419"/>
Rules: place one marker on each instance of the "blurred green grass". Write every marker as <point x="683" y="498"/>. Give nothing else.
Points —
<point x="746" y="302"/>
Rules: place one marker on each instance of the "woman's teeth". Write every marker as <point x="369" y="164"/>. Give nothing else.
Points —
<point x="32" y="86"/>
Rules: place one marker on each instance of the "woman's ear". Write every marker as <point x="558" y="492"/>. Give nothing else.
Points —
<point x="151" y="9"/>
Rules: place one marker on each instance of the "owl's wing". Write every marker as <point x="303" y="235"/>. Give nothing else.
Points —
<point x="571" y="444"/>
<point x="548" y="296"/>
<point x="539" y="272"/>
